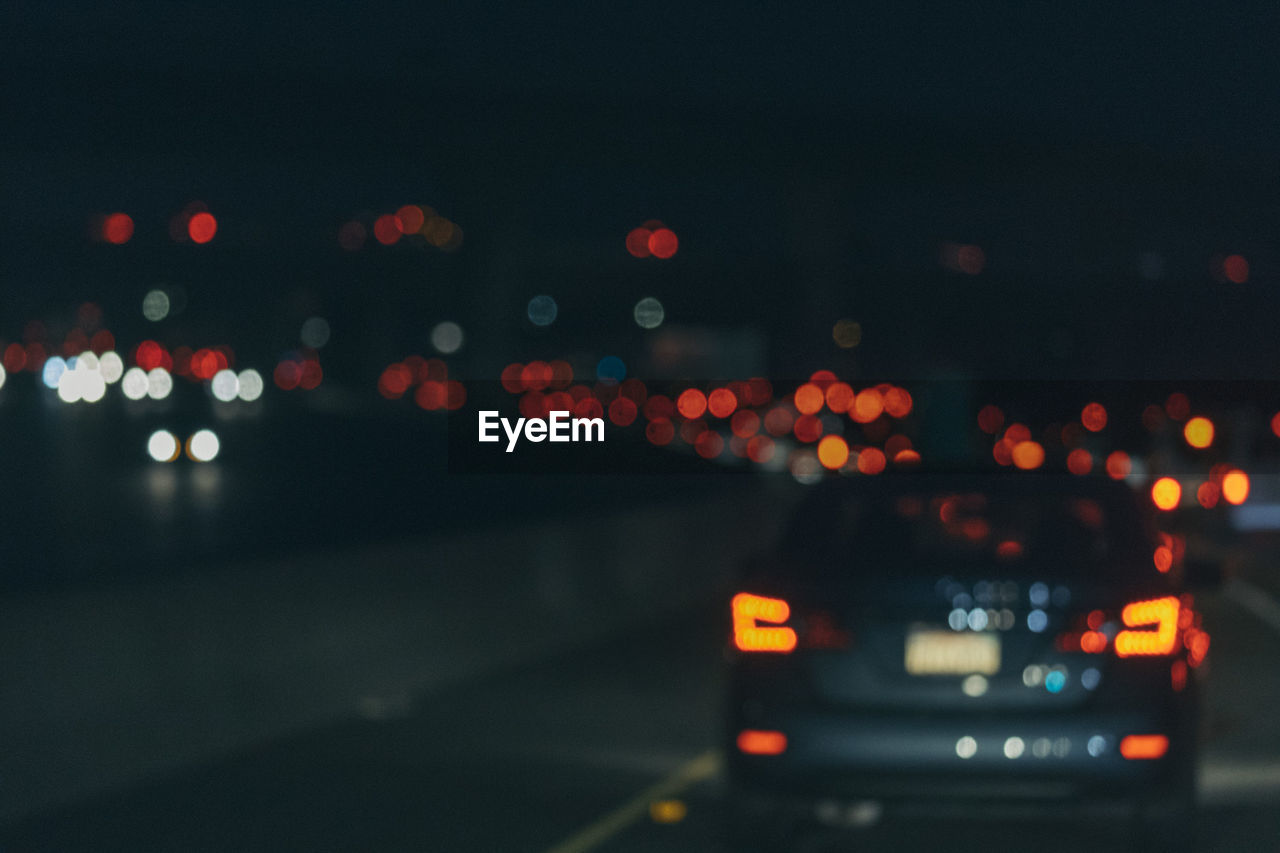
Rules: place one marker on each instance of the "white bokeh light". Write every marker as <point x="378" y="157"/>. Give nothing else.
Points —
<point x="446" y="337"/>
<point x="163" y="446"/>
<point x="112" y="367"/>
<point x="251" y="385"/>
<point x="155" y="305"/>
<point x="225" y="385"/>
<point x="203" y="446"/>
<point x="649" y="313"/>
<point x="134" y="383"/>
<point x="159" y="383"/>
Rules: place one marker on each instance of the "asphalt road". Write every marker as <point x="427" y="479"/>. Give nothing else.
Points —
<point x="569" y="755"/>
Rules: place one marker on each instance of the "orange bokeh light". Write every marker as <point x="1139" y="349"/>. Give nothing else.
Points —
<point x="839" y="397"/>
<point x="867" y="406"/>
<point x="809" y="399"/>
<point x="1198" y="432"/>
<point x="1166" y="492"/>
<point x="898" y="402"/>
<point x="1028" y="455"/>
<point x="833" y="452"/>
<point x="691" y="403"/>
<point x="1235" y="487"/>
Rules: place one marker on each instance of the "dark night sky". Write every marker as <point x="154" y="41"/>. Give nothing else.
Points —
<point x="1169" y="74"/>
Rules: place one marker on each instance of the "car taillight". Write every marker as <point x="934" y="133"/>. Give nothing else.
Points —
<point x="1152" y="627"/>
<point x="749" y="636"/>
<point x="1157" y="620"/>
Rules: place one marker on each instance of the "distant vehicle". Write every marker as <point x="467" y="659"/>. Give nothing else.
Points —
<point x="931" y="644"/>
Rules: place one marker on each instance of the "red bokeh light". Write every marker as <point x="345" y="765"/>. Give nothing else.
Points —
<point x="663" y="243"/>
<point x="409" y="219"/>
<point x="201" y="227"/>
<point x="722" y="402"/>
<point x="622" y="411"/>
<point x="807" y="428"/>
<point x="117" y="228"/>
<point x="1236" y="269"/>
<point x="709" y="444"/>
<point x="386" y="229"/>
<point x="659" y="431"/>
<point x="691" y="403"/>
<point x="638" y="242"/>
<point x="990" y="419"/>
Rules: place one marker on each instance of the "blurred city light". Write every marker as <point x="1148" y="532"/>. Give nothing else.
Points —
<point x="1166" y="492"/>
<point x="163" y="446"/>
<point x="155" y="305"/>
<point x="202" y="227"/>
<point x="134" y="384"/>
<point x="225" y="385"/>
<point x="159" y="383"/>
<point x="446" y="337"/>
<point x="1198" y="432"/>
<point x="315" y="332"/>
<point x="250" y="385"/>
<point x="203" y="446"/>
<point x="649" y="313"/>
<point x="542" y="310"/>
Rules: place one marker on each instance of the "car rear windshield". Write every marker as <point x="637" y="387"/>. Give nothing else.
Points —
<point x="938" y="529"/>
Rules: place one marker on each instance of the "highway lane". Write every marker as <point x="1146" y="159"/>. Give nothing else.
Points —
<point x="567" y="754"/>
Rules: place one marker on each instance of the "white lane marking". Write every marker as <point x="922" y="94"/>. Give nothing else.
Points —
<point x="1256" y="600"/>
<point x="703" y="767"/>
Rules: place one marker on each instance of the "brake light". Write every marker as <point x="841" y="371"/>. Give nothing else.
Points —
<point x="1162" y="639"/>
<point x="1144" y="747"/>
<point x="749" y="636"/>
<point x="755" y="742"/>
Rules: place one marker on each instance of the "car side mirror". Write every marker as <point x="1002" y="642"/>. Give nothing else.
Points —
<point x="1200" y="573"/>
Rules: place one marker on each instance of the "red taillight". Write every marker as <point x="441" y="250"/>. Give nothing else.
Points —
<point x="756" y="742"/>
<point x="1144" y="747"/>
<point x="1159" y="619"/>
<point x="749" y="636"/>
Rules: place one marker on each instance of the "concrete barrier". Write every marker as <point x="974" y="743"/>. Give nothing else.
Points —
<point x="105" y="687"/>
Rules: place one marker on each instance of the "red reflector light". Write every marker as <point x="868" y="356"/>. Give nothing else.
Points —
<point x="755" y="742"/>
<point x="1144" y="747"/>
<point x="748" y="610"/>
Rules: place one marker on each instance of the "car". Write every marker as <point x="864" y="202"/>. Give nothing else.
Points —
<point x="940" y="643"/>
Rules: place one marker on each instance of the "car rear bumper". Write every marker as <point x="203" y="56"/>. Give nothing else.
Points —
<point x="1065" y="757"/>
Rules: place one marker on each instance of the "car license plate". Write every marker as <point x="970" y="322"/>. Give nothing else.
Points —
<point x="931" y="652"/>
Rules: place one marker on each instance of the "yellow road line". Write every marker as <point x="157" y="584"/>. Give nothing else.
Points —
<point x="702" y="767"/>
